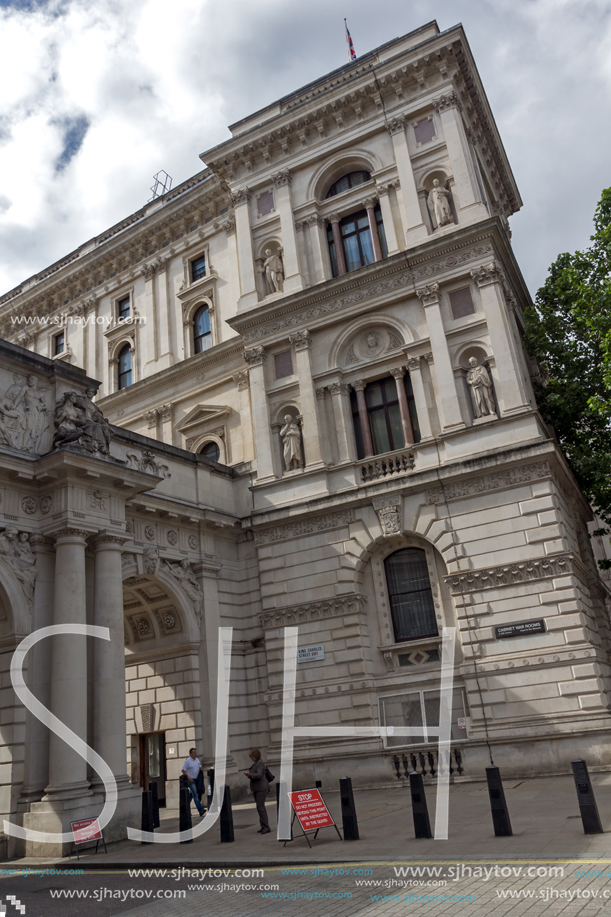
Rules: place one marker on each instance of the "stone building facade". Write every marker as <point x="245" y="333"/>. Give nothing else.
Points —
<point x="310" y="361"/>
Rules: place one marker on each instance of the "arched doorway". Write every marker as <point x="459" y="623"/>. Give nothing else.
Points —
<point x="162" y="674"/>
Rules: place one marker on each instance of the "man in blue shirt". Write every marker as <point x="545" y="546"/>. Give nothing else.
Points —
<point x="191" y="768"/>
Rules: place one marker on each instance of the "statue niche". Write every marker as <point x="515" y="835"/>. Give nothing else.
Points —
<point x="272" y="269"/>
<point x="480" y="386"/>
<point x="439" y="203"/>
<point x="290" y="435"/>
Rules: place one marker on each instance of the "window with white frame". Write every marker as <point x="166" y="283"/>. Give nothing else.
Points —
<point x="420" y="710"/>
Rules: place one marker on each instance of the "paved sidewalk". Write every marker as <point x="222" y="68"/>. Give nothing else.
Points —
<point x="544" y="814"/>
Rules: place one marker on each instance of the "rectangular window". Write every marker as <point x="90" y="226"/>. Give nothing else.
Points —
<point x="283" y="364"/>
<point x="198" y="268"/>
<point x="384" y="415"/>
<point x="59" y="343"/>
<point x="123" y="308"/>
<point x="420" y="710"/>
<point x="461" y="303"/>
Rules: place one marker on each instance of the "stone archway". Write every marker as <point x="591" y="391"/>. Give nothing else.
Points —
<point x="162" y="673"/>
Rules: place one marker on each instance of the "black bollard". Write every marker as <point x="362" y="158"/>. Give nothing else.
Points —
<point x="422" y="825"/>
<point x="226" y="817"/>
<point x="210" y="787"/>
<point x="185" y="823"/>
<point x="147" y="822"/>
<point x="318" y="784"/>
<point x="155" y="797"/>
<point x="585" y="797"/>
<point x="498" y="806"/>
<point x="349" y="822"/>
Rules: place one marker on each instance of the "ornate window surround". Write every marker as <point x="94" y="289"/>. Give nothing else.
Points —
<point x="117" y="329"/>
<point x="218" y="436"/>
<point x="114" y="348"/>
<point x="389" y="649"/>
<point x="198" y="249"/>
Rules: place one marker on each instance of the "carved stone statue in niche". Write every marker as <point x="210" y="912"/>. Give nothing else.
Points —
<point x="290" y="434"/>
<point x="15" y="546"/>
<point x="274" y="271"/>
<point x="478" y="378"/>
<point x="78" y="421"/>
<point x="185" y="576"/>
<point x="439" y="204"/>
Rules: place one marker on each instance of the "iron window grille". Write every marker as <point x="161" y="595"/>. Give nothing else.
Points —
<point x="410" y="595"/>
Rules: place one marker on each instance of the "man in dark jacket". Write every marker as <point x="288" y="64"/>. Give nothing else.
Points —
<point x="259" y="786"/>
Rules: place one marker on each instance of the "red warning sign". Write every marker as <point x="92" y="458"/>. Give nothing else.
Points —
<point x="86" y="830"/>
<point x="311" y="810"/>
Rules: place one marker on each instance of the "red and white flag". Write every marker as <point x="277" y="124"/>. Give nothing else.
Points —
<point x="351" y="50"/>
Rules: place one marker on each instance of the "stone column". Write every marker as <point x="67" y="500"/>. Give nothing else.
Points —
<point x="290" y="255"/>
<point x="248" y="444"/>
<point x="229" y="226"/>
<point x="415" y="226"/>
<point x="387" y="218"/>
<point x="109" y="657"/>
<point x="320" y="249"/>
<point x="255" y="357"/>
<point x="369" y="205"/>
<point x="511" y="395"/>
<point x="448" y="405"/>
<point x="165" y="357"/>
<point x="36" y="764"/>
<point x="91" y="355"/>
<point x="246" y="264"/>
<point x="302" y="342"/>
<point x="359" y="388"/>
<point x="415" y="375"/>
<point x="340" y="394"/>
<point x="406" y="420"/>
<point x="339" y="249"/>
<point x="148" y="338"/>
<point x="67" y="770"/>
<point x="469" y="203"/>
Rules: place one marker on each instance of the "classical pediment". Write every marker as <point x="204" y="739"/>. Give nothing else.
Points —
<point x="202" y="415"/>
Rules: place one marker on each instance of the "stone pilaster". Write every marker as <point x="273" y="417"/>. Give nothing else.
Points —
<point x="448" y="406"/>
<point x="311" y="432"/>
<point x="416" y="229"/>
<point x="466" y="187"/>
<point x="342" y="413"/>
<point x="293" y="279"/>
<point x="246" y="264"/>
<point x="415" y="375"/>
<point x="255" y="357"/>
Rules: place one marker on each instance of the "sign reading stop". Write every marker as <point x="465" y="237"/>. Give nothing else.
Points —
<point x="311" y="810"/>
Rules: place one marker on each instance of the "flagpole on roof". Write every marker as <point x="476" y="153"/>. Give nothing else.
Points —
<point x="351" y="51"/>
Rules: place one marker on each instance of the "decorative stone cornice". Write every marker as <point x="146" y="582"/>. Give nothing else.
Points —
<point x="396" y="125"/>
<point x="305" y="526"/>
<point x="241" y="379"/>
<point x="333" y="607"/>
<point x="496" y="480"/>
<point x="282" y="178"/>
<point x="429" y="295"/>
<point x="488" y="273"/>
<point x="301" y="339"/>
<point x="451" y="100"/>
<point x="510" y="574"/>
<point x="339" y="388"/>
<point x="255" y="356"/>
<point x="240" y="197"/>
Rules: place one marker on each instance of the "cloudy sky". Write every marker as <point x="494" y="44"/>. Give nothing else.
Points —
<point x="98" y="95"/>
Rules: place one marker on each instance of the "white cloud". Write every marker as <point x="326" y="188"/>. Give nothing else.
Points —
<point x="158" y="84"/>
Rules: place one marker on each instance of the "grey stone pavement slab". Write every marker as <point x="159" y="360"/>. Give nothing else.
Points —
<point x="387" y="872"/>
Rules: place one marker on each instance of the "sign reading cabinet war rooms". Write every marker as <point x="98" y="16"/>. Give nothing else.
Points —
<point x="520" y="630"/>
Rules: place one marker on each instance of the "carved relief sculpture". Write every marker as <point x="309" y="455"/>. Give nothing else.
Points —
<point x="480" y="382"/>
<point x="290" y="435"/>
<point x="15" y="546"/>
<point x="148" y="463"/>
<point x="185" y="576"/>
<point x="388" y="509"/>
<point x="151" y="560"/>
<point x="439" y="204"/>
<point x="274" y="272"/>
<point x="24" y="415"/>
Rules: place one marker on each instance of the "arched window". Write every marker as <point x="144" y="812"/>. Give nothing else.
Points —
<point x="409" y="590"/>
<point x="351" y="180"/>
<point x="211" y="451"/>
<point x="125" y="367"/>
<point x="202" y="333"/>
<point x="356" y="242"/>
